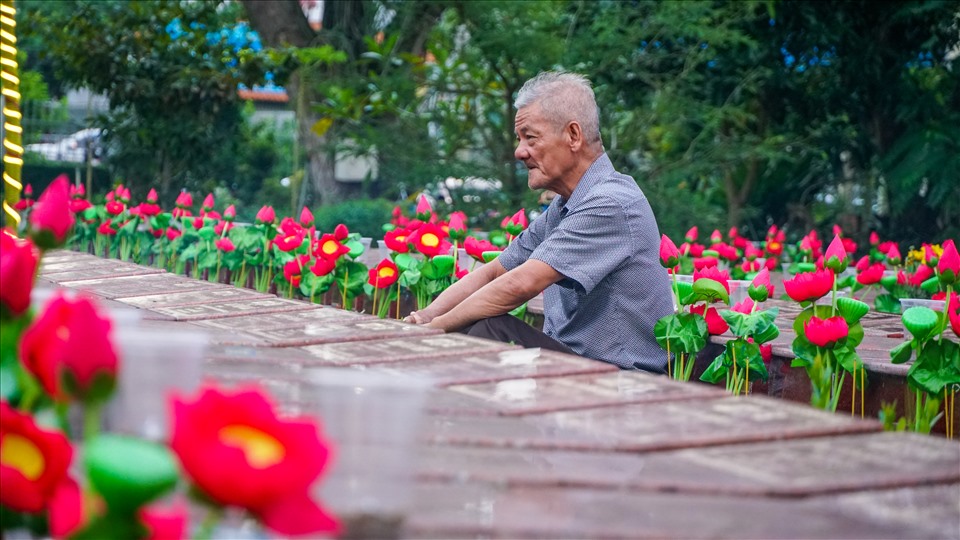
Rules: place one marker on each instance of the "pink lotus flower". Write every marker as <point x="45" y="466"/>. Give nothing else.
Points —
<point x="306" y="217"/>
<point x="836" y="256"/>
<point x="148" y="209"/>
<point x="953" y="313"/>
<point x="691" y="235"/>
<point x="871" y="274"/>
<point x="714" y="273"/>
<point x="220" y="228"/>
<point x="715" y="323"/>
<point x="18" y="266"/>
<point x="922" y="274"/>
<point x="184" y="200"/>
<point x="475" y="248"/>
<point x="152" y="196"/>
<point x="424" y="210"/>
<point x="230" y="213"/>
<point x="457" y="227"/>
<point x="825" y="332"/>
<point x="849" y="245"/>
<point x="224" y="244"/>
<point x="716" y="237"/>
<point x="699" y="263"/>
<point x="341" y="232"/>
<point x="207" y="202"/>
<point x="51" y="218"/>
<point x="173" y="234"/>
<point x="874" y="238"/>
<point x="165" y="523"/>
<point x="114" y="208"/>
<point x="669" y="254"/>
<point x="863" y="263"/>
<point x="106" y="228"/>
<point x="809" y="286"/>
<point x="266" y="215"/>
<point x="760" y="288"/>
<point x="949" y="265"/>
<point x="893" y="255"/>
<point x="515" y="224"/>
<point x="745" y="307"/>
<point x="696" y="250"/>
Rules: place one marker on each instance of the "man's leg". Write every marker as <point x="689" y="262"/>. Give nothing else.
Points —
<point x="509" y="329"/>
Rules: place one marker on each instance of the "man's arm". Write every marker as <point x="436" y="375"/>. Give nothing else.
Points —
<point x="498" y="296"/>
<point x="458" y="292"/>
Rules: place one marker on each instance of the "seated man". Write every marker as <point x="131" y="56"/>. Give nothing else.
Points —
<point x="593" y="252"/>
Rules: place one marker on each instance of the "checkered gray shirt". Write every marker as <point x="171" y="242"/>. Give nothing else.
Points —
<point x="605" y="241"/>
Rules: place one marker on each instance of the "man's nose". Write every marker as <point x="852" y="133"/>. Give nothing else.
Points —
<point x="521" y="152"/>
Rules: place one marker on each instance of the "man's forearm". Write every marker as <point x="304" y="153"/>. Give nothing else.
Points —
<point x="462" y="289"/>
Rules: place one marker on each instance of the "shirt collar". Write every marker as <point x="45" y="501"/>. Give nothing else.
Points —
<point x="601" y="168"/>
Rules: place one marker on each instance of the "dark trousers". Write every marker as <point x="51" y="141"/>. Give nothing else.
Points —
<point x="509" y="329"/>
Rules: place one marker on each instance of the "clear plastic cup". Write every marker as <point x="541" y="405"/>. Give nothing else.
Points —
<point x="739" y="290"/>
<point x="907" y="303"/>
<point x="373" y="420"/>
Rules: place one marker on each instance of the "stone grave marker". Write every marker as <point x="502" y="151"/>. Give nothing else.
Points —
<point x="393" y="350"/>
<point x="342" y="331"/>
<point x="96" y="271"/>
<point x="144" y="285"/>
<point x="295" y="319"/>
<point x="214" y="295"/>
<point x="234" y="308"/>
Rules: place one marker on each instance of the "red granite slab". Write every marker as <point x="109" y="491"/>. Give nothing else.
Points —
<point x="143" y="285"/>
<point x="341" y="331"/>
<point x="64" y="255"/>
<point x="394" y="350"/>
<point x="239" y="356"/>
<point x="213" y="295"/>
<point x="515" y="432"/>
<point x="76" y="263"/>
<point x="924" y="512"/>
<point x="535" y="396"/>
<point x="795" y="468"/>
<point x="498" y="366"/>
<point x="673" y="425"/>
<point x="233" y="309"/>
<point x="97" y="271"/>
<point x="285" y="320"/>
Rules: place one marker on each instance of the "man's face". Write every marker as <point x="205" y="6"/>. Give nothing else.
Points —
<point x="542" y="148"/>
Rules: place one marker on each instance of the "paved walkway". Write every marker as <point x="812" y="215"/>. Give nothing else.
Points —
<point x="519" y="443"/>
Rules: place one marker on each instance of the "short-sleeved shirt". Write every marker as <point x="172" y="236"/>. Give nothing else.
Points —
<point x="605" y="241"/>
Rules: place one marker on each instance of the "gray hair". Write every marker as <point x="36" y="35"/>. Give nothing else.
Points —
<point x="563" y="97"/>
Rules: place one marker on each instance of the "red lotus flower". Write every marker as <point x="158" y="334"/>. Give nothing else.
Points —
<point x="457" y="227"/>
<point x="384" y="274"/>
<point x="180" y="213"/>
<point x="152" y="196"/>
<point x="714" y="273"/>
<point x="460" y="272"/>
<point x="149" y="209"/>
<point x="429" y="240"/>
<point x="871" y="274"/>
<point x="266" y="215"/>
<point x="760" y="288"/>
<point x="825" y="332"/>
<point x="220" y="228"/>
<point x="809" y="285"/>
<point x="716" y="236"/>
<point x="691" y="235"/>
<point x="922" y="274"/>
<point x="893" y="255"/>
<point x="198" y="222"/>
<point x="750" y="252"/>
<point x="774" y="248"/>
<point x="749" y="267"/>
<point x="669" y="254"/>
<point x="329" y="247"/>
<point x="696" y="250"/>
<point x="207" y="202"/>
<point x="114" y="208"/>
<point x="396" y="240"/>
<point x="224" y="244"/>
<point x="953" y="313"/>
<point x="715" y="323"/>
<point x="238" y="452"/>
<point x="33" y="462"/>
<point x="863" y="263"/>
<point x="18" y="265"/>
<point x="165" y="523"/>
<point x="849" y="245"/>
<point x="293" y="269"/>
<point x="306" y="217"/>
<point x="79" y="205"/>
<point x="341" y="232"/>
<point x="745" y="307"/>
<point x="68" y="349"/>
<point x="475" y="248"/>
<point x="874" y="238"/>
<point x="929" y="256"/>
<point x="516" y="223"/>
<point x="949" y="265"/>
<point x="106" y="228"/>
<point x="699" y="263"/>
<point x="173" y="234"/>
<point x="726" y="251"/>
<point x="184" y="200"/>
<point x="836" y="256"/>
<point x="230" y="213"/>
<point x="323" y="266"/>
<point x="51" y="218"/>
<point x="289" y="235"/>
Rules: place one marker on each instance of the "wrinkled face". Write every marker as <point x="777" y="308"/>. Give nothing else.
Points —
<point x="542" y="148"/>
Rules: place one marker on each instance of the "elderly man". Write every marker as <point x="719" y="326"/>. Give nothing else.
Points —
<point x="593" y="252"/>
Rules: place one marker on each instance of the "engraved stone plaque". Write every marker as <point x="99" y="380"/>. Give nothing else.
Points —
<point x="499" y="366"/>
<point x="99" y="271"/>
<point x="285" y="320"/>
<point x="126" y="287"/>
<point x="533" y="396"/>
<point x="330" y="331"/>
<point x="214" y="295"/>
<point x="234" y="308"/>
<point x="392" y="350"/>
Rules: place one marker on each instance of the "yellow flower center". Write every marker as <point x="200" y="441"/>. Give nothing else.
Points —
<point x="261" y="449"/>
<point x="430" y="240"/>
<point x="330" y="247"/>
<point x="21" y="454"/>
<point x="386" y="272"/>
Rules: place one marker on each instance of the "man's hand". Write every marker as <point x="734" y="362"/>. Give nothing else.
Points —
<point x="418" y="317"/>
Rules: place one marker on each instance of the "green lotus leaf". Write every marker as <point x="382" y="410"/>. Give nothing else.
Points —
<point x="443" y="264"/>
<point x="851" y="310"/>
<point x="684" y="290"/>
<point x="920" y="321"/>
<point x="931" y="285"/>
<point x="682" y="332"/>
<point x="709" y="290"/>
<point x="129" y="472"/>
<point x="710" y="253"/>
<point x="490" y="255"/>
<point x="901" y="353"/>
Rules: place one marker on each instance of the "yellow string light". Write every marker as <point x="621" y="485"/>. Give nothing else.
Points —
<point x="12" y="130"/>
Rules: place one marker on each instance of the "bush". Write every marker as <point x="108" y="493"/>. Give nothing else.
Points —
<point x="364" y="216"/>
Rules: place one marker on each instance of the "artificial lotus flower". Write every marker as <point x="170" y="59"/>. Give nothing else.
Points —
<point x="712" y="272"/>
<point x="760" y="288"/>
<point x="396" y="240"/>
<point x="863" y="263"/>
<point x="207" y="203"/>
<point x="475" y="248"/>
<point x="749" y="267"/>
<point x="515" y="224"/>
<point x="224" y="244"/>
<point x="173" y="234"/>
<point x="165" y="523"/>
<point x="809" y="286"/>
<point x="669" y="254"/>
<point x="33" y="462"/>
<point x="699" y="263"/>
<point x="323" y="266"/>
<point x="290" y="235"/>
<point x="306" y="217"/>
<point x="930" y="256"/>
<point x="266" y="215"/>
<point x="884" y="247"/>
<point x="329" y="247"/>
<point x="836" y="256"/>
<point x="746" y="306"/>
<point x="198" y="222"/>
<point x="770" y="264"/>
<point x="726" y="251"/>
<point x="106" y="228"/>
<point x="239" y="452"/>
<point x="68" y="348"/>
<point x="849" y="245"/>
<point x="184" y="200"/>
<point x="51" y="218"/>
<point x="837" y="230"/>
<point x="696" y="250"/>
<point x="114" y="208"/>
<point x="716" y="236"/>
<point x="460" y="273"/>
<point x="180" y="212"/>
<point x="953" y="312"/>
<point x="223" y="227"/>
<point x="341" y="232"/>
<point x="874" y="238"/>
<point x="715" y="323"/>
<point x="691" y="235"/>
<point x="79" y="204"/>
<point x="733" y="233"/>
<point x="457" y="227"/>
<point x="26" y="200"/>
<point x="210" y="214"/>
<point x="384" y="274"/>
<point x="741" y="243"/>
<point x="893" y="255"/>
<point x="872" y="274"/>
<point x="922" y="274"/>
<point x="825" y="332"/>
<point x="293" y="269"/>
<point x="773" y="247"/>
<point x="429" y="240"/>
<point x="230" y="213"/>
<point x="424" y="210"/>
<point x="949" y="264"/>
<point x="152" y="196"/>
<point x="18" y="265"/>
<point x="750" y="252"/>
<point x="149" y="209"/>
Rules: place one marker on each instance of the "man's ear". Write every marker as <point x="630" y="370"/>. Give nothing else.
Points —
<point x="574" y="134"/>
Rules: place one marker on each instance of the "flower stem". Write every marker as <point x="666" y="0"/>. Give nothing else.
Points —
<point x="91" y="421"/>
<point x="209" y="523"/>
